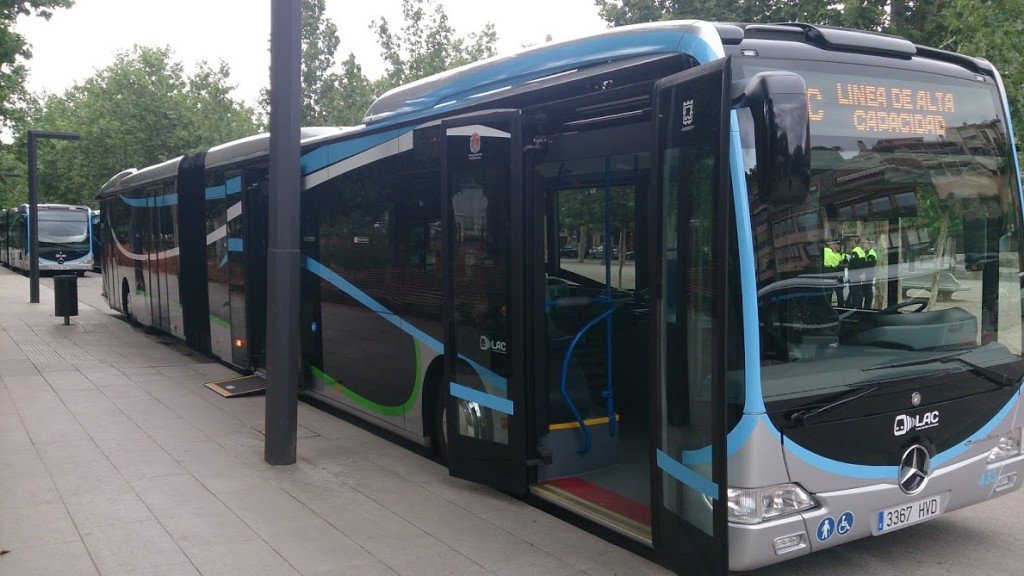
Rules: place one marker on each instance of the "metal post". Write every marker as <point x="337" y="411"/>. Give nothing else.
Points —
<point x="283" y="257"/>
<point x="33" y="224"/>
<point x="33" y="207"/>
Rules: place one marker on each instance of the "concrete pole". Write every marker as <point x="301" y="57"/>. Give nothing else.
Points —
<point x="283" y="257"/>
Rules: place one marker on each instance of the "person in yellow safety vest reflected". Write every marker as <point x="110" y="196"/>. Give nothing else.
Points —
<point x="862" y="273"/>
<point x="834" y="262"/>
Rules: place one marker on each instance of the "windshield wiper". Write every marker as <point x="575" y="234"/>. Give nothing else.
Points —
<point x="918" y="362"/>
<point x="998" y="378"/>
<point x="801" y="415"/>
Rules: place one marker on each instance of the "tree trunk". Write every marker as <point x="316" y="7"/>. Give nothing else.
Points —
<point x="940" y="252"/>
<point x="881" y="265"/>
<point x="622" y="253"/>
<point x="581" y="244"/>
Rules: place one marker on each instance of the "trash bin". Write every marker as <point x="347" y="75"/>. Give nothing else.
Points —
<point x="65" y="296"/>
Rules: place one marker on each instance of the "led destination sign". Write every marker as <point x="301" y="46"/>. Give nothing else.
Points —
<point x="880" y="108"/>
<point x="870" y="102"/>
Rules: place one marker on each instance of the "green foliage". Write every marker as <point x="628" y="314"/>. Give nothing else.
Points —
<point x="14" y="51"/>
<point x="140" y="110"/>
<point x="427" y="44"/>
<point x="988" y="29"/>
<point x="336" y="94"/>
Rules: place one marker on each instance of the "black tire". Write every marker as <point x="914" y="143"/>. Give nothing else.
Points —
<point x="81" y="273"/>
<point x="440" y="424"/>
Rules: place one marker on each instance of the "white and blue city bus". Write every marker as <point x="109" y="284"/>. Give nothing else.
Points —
<point x="65" y="238"/>
<point x="593" y="271"/>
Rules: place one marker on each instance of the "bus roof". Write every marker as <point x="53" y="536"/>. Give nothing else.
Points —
<point x="259" y="145"/>
<point x="461" y="86"/>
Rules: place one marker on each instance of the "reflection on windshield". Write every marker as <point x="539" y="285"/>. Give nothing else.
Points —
<point x="909" y="243"/>
<point x="63" y="227"/>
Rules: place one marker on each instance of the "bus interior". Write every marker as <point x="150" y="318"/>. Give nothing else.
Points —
<point x="589" y="178"/>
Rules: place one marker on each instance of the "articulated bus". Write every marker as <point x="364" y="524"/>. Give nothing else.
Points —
<point x="65" y="238"/>
<point x="594" y="271"/>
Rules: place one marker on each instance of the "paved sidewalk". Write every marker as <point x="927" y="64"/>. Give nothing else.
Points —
<point x="114" y="459"/>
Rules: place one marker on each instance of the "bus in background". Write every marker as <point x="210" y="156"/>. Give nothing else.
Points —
<point x="703" y="384"/>
<point x="65" y="238"/>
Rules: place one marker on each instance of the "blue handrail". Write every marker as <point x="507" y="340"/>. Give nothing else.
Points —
<point x="565" y="375"/>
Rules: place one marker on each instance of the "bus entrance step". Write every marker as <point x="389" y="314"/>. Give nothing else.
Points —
<point x="241" y="386"/>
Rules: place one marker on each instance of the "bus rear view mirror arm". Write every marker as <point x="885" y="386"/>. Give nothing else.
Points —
<point x="782" y="134"/>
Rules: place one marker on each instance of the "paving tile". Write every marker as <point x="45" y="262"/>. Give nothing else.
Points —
<point x="252" y="558"/>
<point x="134" y="546"/>
<point x="68" y="380"/>
<point x="143" y="461"/>
<point x="28" y="526"/>
<point x="314" y="547"/>
<point x="179" y="569"/>
<point x="27" y="491"/>
<point x="216" y="527"/>
<point x="267" y="507"/>
<point x="56" y="453"/>
<point x="175" y="496"/>
<point x="89" y="511"/>
<point x="49" y="559"/>
<point x="96" y="479"/>
<point x="423" y="556"/>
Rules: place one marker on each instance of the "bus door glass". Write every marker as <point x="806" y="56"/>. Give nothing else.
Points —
<point x="254" y="248"/>
<point x="485" y="352"/>
<point x="689" y="384"/>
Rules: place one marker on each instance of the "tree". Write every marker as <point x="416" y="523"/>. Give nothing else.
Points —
<point x="14" y="51"/>
<point x="427" y="44"/>
<point x="334" y="94"/>
<point x="320" y="43"/>
<point x="329" y="97"/>
<point x="140" y="110"/>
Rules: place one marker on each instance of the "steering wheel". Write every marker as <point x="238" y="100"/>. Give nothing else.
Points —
<point x="921" y="304"/>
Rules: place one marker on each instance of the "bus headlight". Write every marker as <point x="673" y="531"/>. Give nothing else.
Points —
<point x="756" y="505"/>
<point x="1007" y="447"/>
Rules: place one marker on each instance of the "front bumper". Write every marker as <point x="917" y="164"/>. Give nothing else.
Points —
<point x="960" y="485"/>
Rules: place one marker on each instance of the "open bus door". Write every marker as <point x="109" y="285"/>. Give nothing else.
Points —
<point x="689" y="394"/>
<point x="484" y="295"/>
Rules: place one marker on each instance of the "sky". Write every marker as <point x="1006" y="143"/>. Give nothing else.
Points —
<point x="76" y="42"/>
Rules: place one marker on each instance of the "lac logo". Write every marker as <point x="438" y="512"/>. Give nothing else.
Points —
<point x="474" y="146"/>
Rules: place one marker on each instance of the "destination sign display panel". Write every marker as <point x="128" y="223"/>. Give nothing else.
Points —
<point x="888" y="103"/>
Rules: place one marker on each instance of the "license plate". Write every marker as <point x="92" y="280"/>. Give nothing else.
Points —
<point x="897" y="517"/>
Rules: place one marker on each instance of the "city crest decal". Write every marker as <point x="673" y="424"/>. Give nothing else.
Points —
<point x="474" y="147"/>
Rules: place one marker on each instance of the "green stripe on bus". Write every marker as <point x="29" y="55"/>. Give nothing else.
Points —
<point x="370" y="404"/>
<point x="219" y="322"/>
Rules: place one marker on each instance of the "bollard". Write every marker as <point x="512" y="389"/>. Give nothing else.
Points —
<point x="65" y="296"/>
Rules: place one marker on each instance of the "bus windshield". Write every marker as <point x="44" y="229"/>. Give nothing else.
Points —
<point x="66" y="227"/>
<point x="904" y="261"/>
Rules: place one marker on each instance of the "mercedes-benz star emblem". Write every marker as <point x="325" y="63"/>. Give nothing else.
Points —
<point x="915" y="398"/>
<point x="915" y="467"/>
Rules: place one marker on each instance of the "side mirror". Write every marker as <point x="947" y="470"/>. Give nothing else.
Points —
<point x="782" y="136"/>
